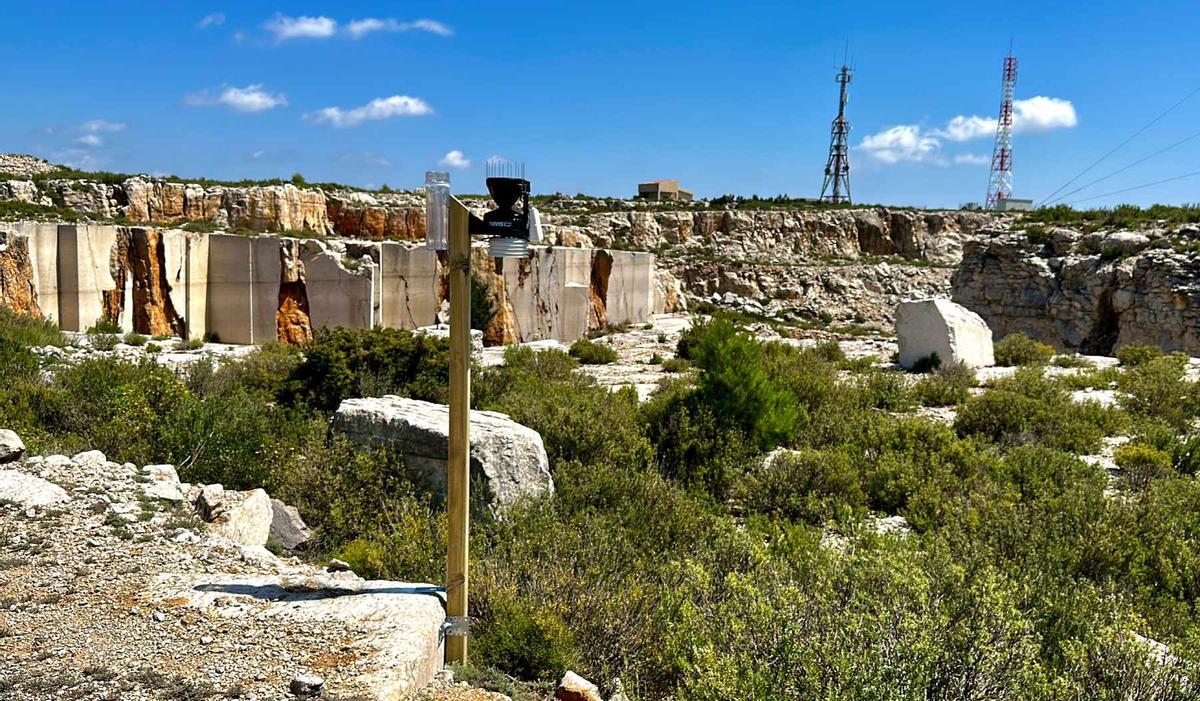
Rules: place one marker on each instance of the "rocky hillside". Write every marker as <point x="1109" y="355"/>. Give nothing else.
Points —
<point x="1089" y="292"/>
<point x="118" y="581"/>
<point x="849" y="265"/>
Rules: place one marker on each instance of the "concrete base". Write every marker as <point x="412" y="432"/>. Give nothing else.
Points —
<point x="392" y="630"/>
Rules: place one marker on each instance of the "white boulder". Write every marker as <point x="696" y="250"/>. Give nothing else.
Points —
<point x="12" y="448"/>
<point x="27" y="490"/>
<point x="953" y="332"/>
<point x="509" y="457"/>
<point x="241" y="517"/>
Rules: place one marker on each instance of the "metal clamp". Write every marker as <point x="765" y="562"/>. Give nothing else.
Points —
<point x="456" y="626"/>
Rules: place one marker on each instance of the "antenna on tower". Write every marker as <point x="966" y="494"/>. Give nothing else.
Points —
<point x="1000" y="180"/>
<point x="836" y="187"/>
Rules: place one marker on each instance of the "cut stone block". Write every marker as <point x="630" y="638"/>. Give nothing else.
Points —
<point x="953" y="332"/>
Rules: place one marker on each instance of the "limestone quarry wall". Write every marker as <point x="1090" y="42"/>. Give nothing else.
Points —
<point x="1093" y="293"/>
<point x="251" y="289"/>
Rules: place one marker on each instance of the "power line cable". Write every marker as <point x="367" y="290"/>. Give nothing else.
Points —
<point x="1140" y="187"/>
<point x="1159" y="152"/>
<point x="1121" y="145"/>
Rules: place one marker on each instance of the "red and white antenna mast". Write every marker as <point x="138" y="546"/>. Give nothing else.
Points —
<point x="1000" y="182"/>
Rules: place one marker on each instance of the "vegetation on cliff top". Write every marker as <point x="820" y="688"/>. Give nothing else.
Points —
<point x="672" y="557"/>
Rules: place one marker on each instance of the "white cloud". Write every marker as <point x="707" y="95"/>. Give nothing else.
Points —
<point x="1034" y="114"/>
<point x="361" y="27"/>
<point x="1040" y="113"/>
<point x="379" y="108"/>
<point x="972" y="159"/>
<point x="455" y="159"/>
<point x="252" y="98"/>
<point x="902" y="143"/>
<point x="963" y="128"/>
<point x="284" y="27"/>
<point x="257" y="155"/>
<point x="216" y="19"/>
<point x="102" y="125"/>
<point x="910" y="143"/>
<point x="90" y="140"/>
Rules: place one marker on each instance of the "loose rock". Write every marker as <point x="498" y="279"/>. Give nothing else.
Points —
<point x="11" y="446"/>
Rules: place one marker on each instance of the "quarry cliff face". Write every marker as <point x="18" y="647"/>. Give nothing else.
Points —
<point x="847" y="265"/>
<point x="250" y="289"/>
<point x="1092" y="293"/>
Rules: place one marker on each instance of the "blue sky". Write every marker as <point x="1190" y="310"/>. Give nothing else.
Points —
<point x="594" y="97"/>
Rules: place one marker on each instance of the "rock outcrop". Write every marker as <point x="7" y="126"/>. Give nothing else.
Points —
<point x="18" y="291"/>
<point x="507" y="458"/>
<point x="137" y="597"/>
<point x="23" y="166"/>
<point x="1089" y="293"/>
<point x="781" y="235"/>
<point x="953" y="333"/>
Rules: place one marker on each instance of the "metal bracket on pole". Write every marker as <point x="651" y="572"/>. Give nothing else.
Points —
<point x="456" y="626"/>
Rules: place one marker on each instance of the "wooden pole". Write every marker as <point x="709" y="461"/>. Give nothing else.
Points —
<point x="458" y="478"/>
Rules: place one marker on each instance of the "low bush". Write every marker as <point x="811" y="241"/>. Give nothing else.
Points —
<point x="104" y="326"/>
<point x="342" y="363"/>
<point x="103" y="341"/>
<point x="1019" y="349"/>
<point x="947" y="386"/>
<point x="1134" y="354"/>
<point x="29" y="331"/>
<point x="675" y="365"/>
<point x="811" y="486"/>
<point x="1141" y="464"/>
<point x="1157" y="389"/>
<point x="134" y="338"/>
<point x="1029" y="408"/>
<point x="591" y="352"/>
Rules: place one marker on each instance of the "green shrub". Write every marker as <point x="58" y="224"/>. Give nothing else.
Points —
<point x="1134" y="354"/>
<point x="1019" y="349"/>
<point x="29" y="331"/>
<point x="153" y="348"/>
<point x="104" y="326"/>
<point x="525" y="638"/>
<point x="343" y="363"/>
<point x="692" y="444"/>
<point x="190" y="344"/>
<point x="104" y="341"/>
<point x="483" y="304"/>
<point x="811" y="486"/>
<point x="829" y="351"/>
<point x="1072" y="360"/>
<point x="1029" y="408"/>
<point x="591" y="352"/>
<point x="134" y="338"/>
<point x="949" y="385"/>
<point x="884" y="389"/>
<point x="1141" y="464"/>
<point x="578" y="419"/>
<point x="736" y="384"/>
<point x="1157" y="389"/>
<point x="675" y="365"/>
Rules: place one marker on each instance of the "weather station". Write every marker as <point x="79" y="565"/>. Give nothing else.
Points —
<point x="509" y="230"/>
